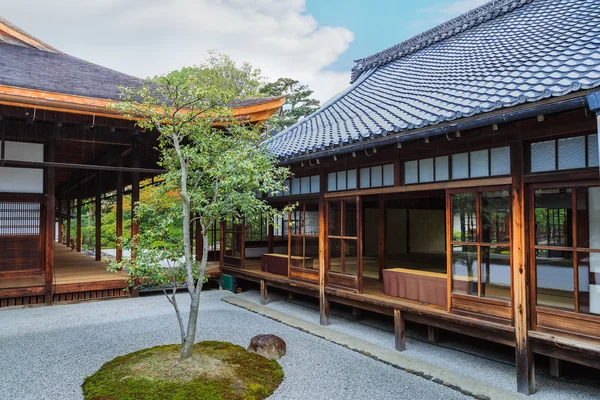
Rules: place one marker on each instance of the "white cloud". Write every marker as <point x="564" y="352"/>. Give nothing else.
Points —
<point x="150" y="37"/>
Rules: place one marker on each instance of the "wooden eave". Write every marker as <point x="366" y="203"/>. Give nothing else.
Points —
<point x="16" y="33"/>
<point x="52" y="101"/>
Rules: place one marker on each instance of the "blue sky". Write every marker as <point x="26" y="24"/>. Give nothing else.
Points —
<point x="378" y="24"/>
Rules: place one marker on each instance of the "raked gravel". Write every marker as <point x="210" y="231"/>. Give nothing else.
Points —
<point x="46" y="352"/>
<point x="477" y="360"/>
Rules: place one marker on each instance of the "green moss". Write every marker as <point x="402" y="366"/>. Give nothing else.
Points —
<point x="218" y="370"/>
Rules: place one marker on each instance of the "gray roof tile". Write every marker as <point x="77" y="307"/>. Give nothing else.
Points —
<point x="504" y="53"/>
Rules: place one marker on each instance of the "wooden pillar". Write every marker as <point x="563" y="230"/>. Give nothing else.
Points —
<point x="555" y="367"/>
<point x="357" y="314"/>
<point x="199" y="242"/>
<point x="524" y="356"/>
<point x="98" y="212"/>
<point x="50" y="221"/>
<point x="68" y="222"/>
<point x="359" y="239"/>
<point x="399" y="331"/>
<point x="323" y="300"/>
<point x="119" y="216"/>
<point x="135" y="190"/>
<point x="433" y="334"/>
<point x="263" y="292"/>
<point x="271" y="239"/>
<point x="222" y="243"/>
<point x="382" y="238"/>
<point x="79" y="238"/>
<point x="60" y="221"/>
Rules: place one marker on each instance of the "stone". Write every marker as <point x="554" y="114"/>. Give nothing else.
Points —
<point x="268" y="346"/>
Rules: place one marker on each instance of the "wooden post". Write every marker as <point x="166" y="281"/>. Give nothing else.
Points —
<point x="271" y="239"/>
<point x="222" y="243"/>
<point x="433" y="334"/>
<point x="382" y="251"/>
<point x="50" y="221"/>
<point x="199" y="242"/>
<point x="263" y="292"/>
<point x="98" y="212"/>
<point x="555" y="367"/>
<point x="524" y="356"/>
<point x="60" y="221"/>
<point x="135" y="190"/>
<point x="399" y="331"/>
<point x="79" y="238"/>
<point x="119" y="206"/>
<point x="323" y="300"/>
<point x="357" y="314"/>
<point x="68" y="222"/>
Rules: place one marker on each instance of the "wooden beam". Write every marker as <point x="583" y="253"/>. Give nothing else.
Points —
<point x="323" y="300"/>
<point x="50" y="220"/>
<point x="399" y="331"/>
<point x="524" y="356"/>
<point x="263" y="292"/>
<point x="555" y="367"/>
<point x="79" y="238"/>
<point x="98" y="215"/>
<point x="271" y="239"/>
<point x="61" y="225"/>
<point x="135" y="189"/>
<point x="382" y="250"/>
<point x="199" y="242"/>
<point x="92" y="167"/>
<point x="222" y="244"/>
<point x="119" y="206"/>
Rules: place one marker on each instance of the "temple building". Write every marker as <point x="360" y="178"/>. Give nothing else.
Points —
<point x="454" y="184"/>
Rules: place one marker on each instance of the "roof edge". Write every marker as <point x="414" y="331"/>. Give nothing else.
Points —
<point x="466" y="21"/>
<point x="25" y="37"/>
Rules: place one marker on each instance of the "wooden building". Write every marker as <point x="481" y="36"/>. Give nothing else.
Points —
<point x="455" y="184"/>
<point x="60" y="146"/>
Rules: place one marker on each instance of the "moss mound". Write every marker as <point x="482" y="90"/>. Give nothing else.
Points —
<point x="217" y="370"/>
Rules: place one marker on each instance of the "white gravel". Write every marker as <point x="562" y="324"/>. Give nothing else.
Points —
<point x="477" y="360"/>
<point x="46" y="352"/>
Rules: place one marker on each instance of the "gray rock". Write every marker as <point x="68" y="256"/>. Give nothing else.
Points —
<point x="268" y="346"/>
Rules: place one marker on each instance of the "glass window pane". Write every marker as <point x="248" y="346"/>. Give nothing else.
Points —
<point x="479" y="163"/>
<point x="388" y="175"/>
<point x="553" y="217"/>
<point x="351" y="179"/>
<point x="589" y="282"/>
<point x="571" y="153"/>
<point x="495" y="217"/>
<point x="441" y="168"/>
<point x="464" y="217"/>
<point x="311" y="220"/>
<point x="593" y="154"/>
<point x="332" y="181"/>
<point x="376" y="176"/>
<point x="460" y="166"/>
<point x="295" y="186"/>
<point x="411" y="172"/>
<point x="335" y="255"/>
<point x="426" y="170"/>
<point x="500" y="161"/>
<point x="341" y="180"/>
<point x="350" y="249"/>
<point x="311" y="255"/>
<point x="315" y="184"/>
<point x="365" y="177"/>
<point x="305" y="185"/>
<point x="334" y="219"/>
<point x="588" y="217"/>
<point x="464" y="270"/>
<point x="350" y="219"/>
<point x="296" y="227"/>
<point x="495" y="272"/>
<point x="287" y="187"/>
<point x="543" y="156"/>
<point x="555" y="279"/>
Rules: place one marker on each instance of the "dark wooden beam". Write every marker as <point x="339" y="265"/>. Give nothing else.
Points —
<point x="79" y="238"/>
<point x="382" y="238"/>
<point x="49" y="221"/>
<point x="399" y="331"/>
<point x="199" y="242"/>
<point x="68" y="221"/>
<point x="98" y="212"/>
<point x="91" y="167"/>
<point x="119" y="206"/>
<point x="524" y="356"/>
<point x="433" y="334"/>
<point x="270" y="239"/>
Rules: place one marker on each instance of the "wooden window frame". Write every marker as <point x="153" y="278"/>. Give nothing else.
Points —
<point x="574" y="249"/>
<point x="301" y="235"/>
<point x="478" y="243"/>
<point x="556" y="169"/>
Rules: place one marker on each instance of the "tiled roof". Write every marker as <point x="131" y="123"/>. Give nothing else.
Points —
<point x="502" y="54"/>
